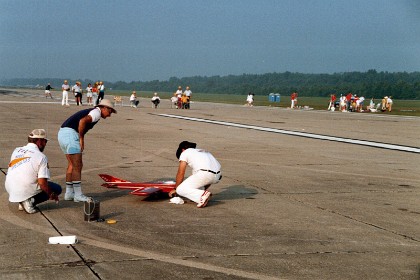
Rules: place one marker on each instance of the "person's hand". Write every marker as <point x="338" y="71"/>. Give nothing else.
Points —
<point x="54" y="196"/>
<point x="172" y="193"/>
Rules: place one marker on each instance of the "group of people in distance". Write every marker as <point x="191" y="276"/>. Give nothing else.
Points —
<point x="180" y="99"/>
<point x="353" y="103"/>
<point x="94" y="94"/>
<point x="134" y="102"/>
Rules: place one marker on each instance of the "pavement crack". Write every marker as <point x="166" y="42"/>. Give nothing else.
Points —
<point x="83" y="261"/>
<point x="59" y="265"/>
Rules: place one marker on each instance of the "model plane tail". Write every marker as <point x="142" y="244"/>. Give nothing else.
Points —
<point x="111" y="179"/>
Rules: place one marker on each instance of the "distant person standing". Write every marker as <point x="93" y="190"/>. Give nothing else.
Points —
<point x="77" y="91"/>
<point x="101" y="90"/>
<point x="293" y="100"/>
<point x="48" y="89"/>
<point x="89" y="94"/>
<point x="66" y="88"/>
<point x="332" y="102"/>
<point x="188" y="94"/>
<point x="95" y="93"/>
<point x="342" y="103"/>
<point x="250" y="99"/>
<point x="71" y="139"/>
<point x="179" y="97"/>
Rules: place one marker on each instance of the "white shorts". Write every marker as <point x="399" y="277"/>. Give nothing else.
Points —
<point x="89" y="94"/>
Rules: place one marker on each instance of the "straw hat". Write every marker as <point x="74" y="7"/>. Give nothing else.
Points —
<point x="108" y="104"/>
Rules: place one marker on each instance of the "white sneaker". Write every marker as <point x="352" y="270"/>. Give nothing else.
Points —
<point x="204" y="199"/>
<point x="28" y="206"/>
<point x="81" y="198"/>
<point x="68" y="196"/>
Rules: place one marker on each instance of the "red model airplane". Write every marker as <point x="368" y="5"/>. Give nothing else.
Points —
<point x="141" y="189"/>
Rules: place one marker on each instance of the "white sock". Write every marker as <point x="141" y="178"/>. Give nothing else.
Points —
<point x="69" y="188"/>
<point x="77" y="186"/>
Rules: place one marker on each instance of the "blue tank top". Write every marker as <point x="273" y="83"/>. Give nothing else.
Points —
<point x="73" y="121"/>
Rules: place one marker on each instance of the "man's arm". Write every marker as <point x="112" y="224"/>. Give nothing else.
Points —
<point x="82" y="126"/>
<point x="181" y="173"/>
<point x="179" y="177"/>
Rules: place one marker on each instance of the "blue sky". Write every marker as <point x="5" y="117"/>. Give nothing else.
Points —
<point x="137" y="40"/>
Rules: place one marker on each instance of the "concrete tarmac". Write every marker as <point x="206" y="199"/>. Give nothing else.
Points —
<point x="288" y="207"/>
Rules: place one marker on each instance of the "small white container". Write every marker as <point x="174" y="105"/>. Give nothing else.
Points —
<point x="71" y="239"/>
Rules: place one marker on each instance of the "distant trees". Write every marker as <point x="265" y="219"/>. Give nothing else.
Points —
<point x="400" y="85"/>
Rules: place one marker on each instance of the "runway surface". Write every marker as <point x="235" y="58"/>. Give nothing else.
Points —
<point x="304" y="195"/>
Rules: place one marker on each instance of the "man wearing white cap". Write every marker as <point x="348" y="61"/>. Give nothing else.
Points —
<point x="71" y="139"/>
<point x="28" y="174"/>
<point x="205" y="171"/>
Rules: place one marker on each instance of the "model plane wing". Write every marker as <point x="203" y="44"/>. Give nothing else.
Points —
<point x="146" y="191"/>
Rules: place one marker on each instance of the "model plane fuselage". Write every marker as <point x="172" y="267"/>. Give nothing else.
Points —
<point x="138" y="188"/>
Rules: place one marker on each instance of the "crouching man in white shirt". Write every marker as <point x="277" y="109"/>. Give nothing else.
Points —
<point x="205" y="171"/>
<point x="27" y="177"/>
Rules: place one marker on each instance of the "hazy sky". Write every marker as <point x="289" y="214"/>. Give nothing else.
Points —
<point x="138" y="40"/>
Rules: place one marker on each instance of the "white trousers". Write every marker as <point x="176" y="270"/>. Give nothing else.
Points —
<point x="193" y="187"/>
<point x="65" y="100"/>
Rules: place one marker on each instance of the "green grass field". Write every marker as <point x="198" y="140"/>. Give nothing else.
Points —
<point x="400" y="107"/>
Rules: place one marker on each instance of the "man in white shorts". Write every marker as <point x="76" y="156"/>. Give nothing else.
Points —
<point x="205" y="171"/>
<point x="27" y="177"/>
<point x="48" y="89"/>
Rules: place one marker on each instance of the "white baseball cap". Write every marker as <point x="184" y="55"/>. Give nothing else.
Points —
<point x="38" y="133"/>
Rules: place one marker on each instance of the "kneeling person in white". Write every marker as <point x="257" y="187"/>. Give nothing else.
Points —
<point x="205" y="171"/>
<point x="28" y="174"/>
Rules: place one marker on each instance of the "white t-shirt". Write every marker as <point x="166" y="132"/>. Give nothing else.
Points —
<point x="89" y="91"/>
<point x="133" y="97"/>
<point x="95" y="114"/>
<point x="27" y="164"/>
<point x="188" y="92"/>
<point x="76" y="88"/>
<point x="65" y="87"/>
<point x="199" y="159"/>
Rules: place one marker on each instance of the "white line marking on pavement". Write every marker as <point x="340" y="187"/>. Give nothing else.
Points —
<point x="304" y="134"/>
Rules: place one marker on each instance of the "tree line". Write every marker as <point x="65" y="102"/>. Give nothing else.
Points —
<point x="399" y="85"/>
